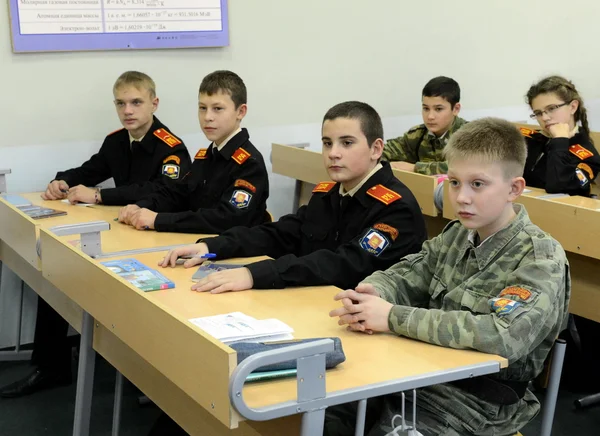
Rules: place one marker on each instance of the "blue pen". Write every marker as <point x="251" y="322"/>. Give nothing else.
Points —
<point x="182" y="259"/>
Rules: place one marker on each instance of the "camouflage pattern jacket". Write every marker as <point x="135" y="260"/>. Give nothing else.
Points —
<point x="419" y="147"/>
<point x="508" y="296"/>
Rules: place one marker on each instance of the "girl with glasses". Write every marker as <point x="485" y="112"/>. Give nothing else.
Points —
<point x="561" y="155"/>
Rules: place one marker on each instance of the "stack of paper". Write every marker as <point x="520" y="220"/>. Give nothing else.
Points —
<point x="237" y="327"/>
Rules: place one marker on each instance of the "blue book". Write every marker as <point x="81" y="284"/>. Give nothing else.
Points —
<point x="139" y="275"/>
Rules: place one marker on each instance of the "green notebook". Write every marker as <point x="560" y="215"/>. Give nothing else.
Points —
<point x="270" y="375"/>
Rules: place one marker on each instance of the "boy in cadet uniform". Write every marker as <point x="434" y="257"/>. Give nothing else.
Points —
<point x="492" y="281"/>
<point x="144" y="151"/>
<point x="420" y="149"/>
<point x="361" y="222"/>
<point x="228" y="184"/>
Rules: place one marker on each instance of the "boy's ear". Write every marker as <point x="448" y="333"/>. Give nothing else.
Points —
<point x="517" y="185"/>
<point x="242" y="110"/>
<point x="377" y="149"/>
<point x="155" y="104"/>
<point x="456" y="108"/>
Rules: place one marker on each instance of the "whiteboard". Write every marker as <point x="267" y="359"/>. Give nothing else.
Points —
<point x="76" y="25"/>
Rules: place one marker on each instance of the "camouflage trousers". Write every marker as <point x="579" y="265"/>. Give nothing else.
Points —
<point x="442" y="410"/>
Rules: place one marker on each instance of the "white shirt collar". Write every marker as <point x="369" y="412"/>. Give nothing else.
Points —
<point x="224" y="143"/>
<point x="360" y="184"/>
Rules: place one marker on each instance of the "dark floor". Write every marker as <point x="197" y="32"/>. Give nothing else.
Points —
<point x="51" y="412"/>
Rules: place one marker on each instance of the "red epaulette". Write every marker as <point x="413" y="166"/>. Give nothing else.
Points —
<point x="240" y="156"/>
<point x="201" y="154"/>
<point x="383" y="194"/>
<point x="166" y="137"/>
<point x="324" y="187"/>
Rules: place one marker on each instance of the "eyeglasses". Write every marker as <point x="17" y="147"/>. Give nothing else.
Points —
<point x="549" y="110"/>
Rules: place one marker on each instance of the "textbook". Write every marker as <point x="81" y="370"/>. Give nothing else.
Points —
<point x="139" y="275"/>
<point x="209" y="267"/>
<point x="31" y="210"/>
<point x="238" y="327"/>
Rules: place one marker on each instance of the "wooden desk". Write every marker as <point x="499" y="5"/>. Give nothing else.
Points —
<point x="307" y="166"/>
<point x="155" y="326"/>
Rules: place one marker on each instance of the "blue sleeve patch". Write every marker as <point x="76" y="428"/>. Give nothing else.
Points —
<point x="583" y="180"/>
<point x="171" y="170"/>
<point x="374" y="242"/>
<point x="240" y="199"/>
<point x="503" y="306"/>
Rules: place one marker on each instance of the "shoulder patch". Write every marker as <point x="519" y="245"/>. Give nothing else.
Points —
<point x="172" y="158"/>
<point x="383" y="194"/>
<point x="392" y="231"/>
<point x="583" y="180"/>
<point x="503" y="306"/>
<point x="587" y="169"/>
<point x="244" y="184"/>
<point x="171" y="170"/>
<point x="581" y="152"/>
<point x="240" y="199"/>
<point x="324" y="187"/>
<point x="166" y="137"/>
<point x="374" y="242"/>
<point x="240" y="156"/>
<point x="116" y="131"/>
<point x="522" y="293"/>
<point x="527" y="132"/>
<point x="201" y="154"/>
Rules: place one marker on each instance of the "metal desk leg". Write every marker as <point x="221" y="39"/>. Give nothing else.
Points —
<point x="297" y="195"/>
<point x="117" y="404"/>
<point x="85" y="378"/>
<point x="313" y="423"/>
<point x="17" y="354"/>
<point x="361" y="417"/>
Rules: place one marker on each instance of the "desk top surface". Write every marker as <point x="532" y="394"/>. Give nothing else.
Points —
<point x="371" y="359"/>
<point x="119" y="237"/>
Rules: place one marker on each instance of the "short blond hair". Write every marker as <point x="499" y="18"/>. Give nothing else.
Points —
<point x="491" y="140"/>
<point x="138" y="80"/>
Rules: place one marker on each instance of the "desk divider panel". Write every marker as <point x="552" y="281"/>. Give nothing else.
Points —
<point x="192" y="360"/>
<point x="20" y="232"/>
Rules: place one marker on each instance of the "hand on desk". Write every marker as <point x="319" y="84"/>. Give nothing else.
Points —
<point x="126" y="212"/>
<point x="363" y="310"/>
<point x="56" y="190"/>
<point x="189" y="250"/>
<point x="238" y="279"/>
<point x="404" y="166"/>
<point x="142" y="219"/>
<point x="83" y="194"/>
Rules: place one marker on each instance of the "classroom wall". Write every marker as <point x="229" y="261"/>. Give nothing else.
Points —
<point x="298" y="58"/>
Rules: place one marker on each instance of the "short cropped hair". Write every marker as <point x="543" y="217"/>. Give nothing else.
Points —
<point x="444" y="87"/>
<point x="138" y="80"/>
<point x="226" y="82"/>
<point x="491" y="140"/>
<point x="370" y="121"/>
